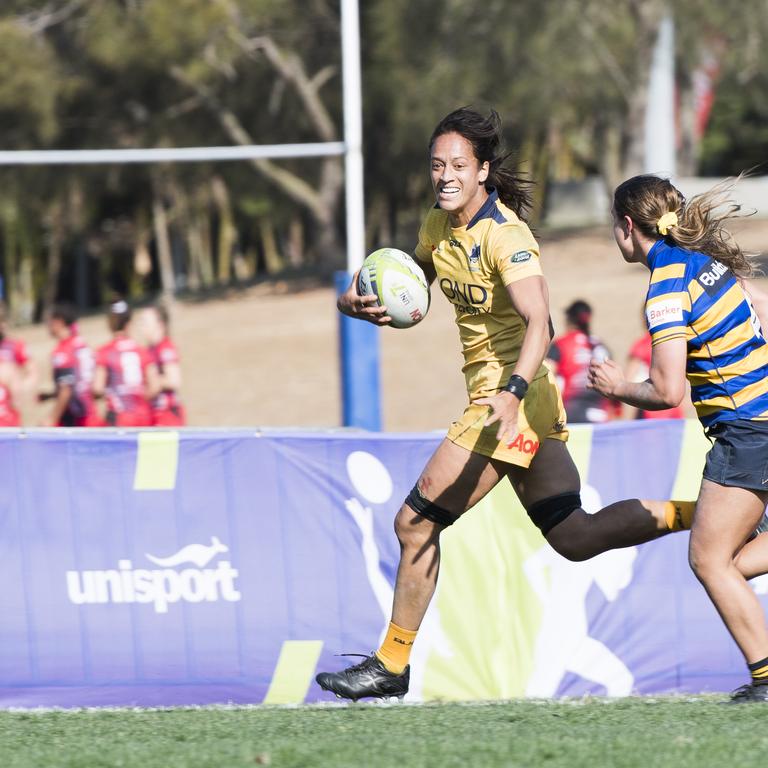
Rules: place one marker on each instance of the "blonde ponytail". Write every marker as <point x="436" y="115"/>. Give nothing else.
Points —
<point x="698" y="224"/>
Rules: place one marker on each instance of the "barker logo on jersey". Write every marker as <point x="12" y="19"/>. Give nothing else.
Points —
<point x="709" y="276"/>
<point x="662" y="312"/>
<point x="160" y="586"/>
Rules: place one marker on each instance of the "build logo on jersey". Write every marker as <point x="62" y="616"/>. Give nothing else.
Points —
<point x="163" y="585"/>
<point x="709" y="276"/>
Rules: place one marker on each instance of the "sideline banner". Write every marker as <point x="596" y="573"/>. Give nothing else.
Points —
<point x="164" y="568"/>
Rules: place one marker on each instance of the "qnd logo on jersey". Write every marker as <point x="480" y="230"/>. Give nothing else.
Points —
<point x="161" y="586"/>
<point x="466" y="297"/>
<point x="709" y="276"/>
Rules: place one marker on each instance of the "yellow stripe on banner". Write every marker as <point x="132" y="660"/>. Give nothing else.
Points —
<point x="157" y="459"/>
<point x="580" y="448"/>
<point x="693" y="449"/>
<point x="293" y="673"/>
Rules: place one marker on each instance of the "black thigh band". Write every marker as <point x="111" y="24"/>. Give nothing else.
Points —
<point x="428" y="509"/>
<point x="547" y="513"/>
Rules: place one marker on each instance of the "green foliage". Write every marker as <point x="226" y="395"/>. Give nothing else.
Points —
<point x="28" y="87"/>
<point x="568" y="78"/>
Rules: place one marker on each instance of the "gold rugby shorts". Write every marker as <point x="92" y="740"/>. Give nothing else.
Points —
<point x="541" y="416"/>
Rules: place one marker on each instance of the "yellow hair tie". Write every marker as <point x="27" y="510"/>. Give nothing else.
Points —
<point x="668" y="220"/>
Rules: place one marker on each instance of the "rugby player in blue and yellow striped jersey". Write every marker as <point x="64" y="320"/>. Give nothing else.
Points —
<point x="704" y="326"/>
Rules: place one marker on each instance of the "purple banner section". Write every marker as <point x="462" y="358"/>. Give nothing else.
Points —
<point x="114" y="595"/>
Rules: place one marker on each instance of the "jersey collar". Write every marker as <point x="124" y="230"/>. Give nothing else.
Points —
<point x="656" y="250"/>
<point x="485" y="210"/>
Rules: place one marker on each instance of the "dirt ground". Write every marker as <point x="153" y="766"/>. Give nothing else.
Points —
<point x="267" y="356"/>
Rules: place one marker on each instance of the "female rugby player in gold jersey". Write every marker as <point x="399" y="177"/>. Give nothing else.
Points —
<point x="704" y="326"/>
<point x="476" y="245"/>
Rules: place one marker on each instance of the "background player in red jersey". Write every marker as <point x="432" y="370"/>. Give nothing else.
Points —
<point x="569" y="356"/>
<point x="73" y="363"/>
<point x="17" y="373"/>
<point x="167" y="410"/>
<point x="125" y="375"/>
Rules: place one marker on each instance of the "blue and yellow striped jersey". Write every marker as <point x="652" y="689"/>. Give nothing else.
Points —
<point x="693" y="296"/>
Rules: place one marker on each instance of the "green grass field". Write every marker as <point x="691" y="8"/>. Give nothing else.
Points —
<point x="594" y="733"/>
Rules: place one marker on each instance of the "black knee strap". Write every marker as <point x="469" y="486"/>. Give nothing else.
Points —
<point x="428" y="509"/>
<point x="547" y="513"/>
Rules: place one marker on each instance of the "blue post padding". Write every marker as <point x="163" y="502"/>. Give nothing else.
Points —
<point x="359" y="355"/>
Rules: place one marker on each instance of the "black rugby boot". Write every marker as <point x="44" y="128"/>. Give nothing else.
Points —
<point x="369" y="678"/>
<point x="749" y="694"/>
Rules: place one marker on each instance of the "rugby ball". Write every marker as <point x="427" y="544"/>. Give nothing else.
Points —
<point x="399" y="284"/>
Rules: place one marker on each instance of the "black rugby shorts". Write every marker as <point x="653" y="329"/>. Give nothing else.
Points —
<point x="739" y="456"/>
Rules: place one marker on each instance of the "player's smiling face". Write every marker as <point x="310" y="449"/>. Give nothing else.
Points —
<point x="458" y="178"/>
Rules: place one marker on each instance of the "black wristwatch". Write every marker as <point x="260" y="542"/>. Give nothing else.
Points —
<point x="517" y="385"/>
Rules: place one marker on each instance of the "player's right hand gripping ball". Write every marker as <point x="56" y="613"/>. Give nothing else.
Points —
<point x="399" y="283"/>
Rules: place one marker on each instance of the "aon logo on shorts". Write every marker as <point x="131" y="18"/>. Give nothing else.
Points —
<point x="524" y="445"/>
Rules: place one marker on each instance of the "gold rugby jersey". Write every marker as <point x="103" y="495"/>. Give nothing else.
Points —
<point x="695" y="297"/>
<point x="474" y="264"/>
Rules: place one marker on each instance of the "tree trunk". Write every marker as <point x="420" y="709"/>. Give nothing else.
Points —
<point x="272" y="259"/>
<point x="227" y="240"/>
<point x="647" y="15"/>
<point x="55" y="247"/>
<point x="163" y="245"/>
<point x="296" y="242"/>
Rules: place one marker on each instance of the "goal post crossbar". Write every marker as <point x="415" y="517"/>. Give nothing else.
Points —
<point x="361" y="400"/>
<point x="170" y="154"/>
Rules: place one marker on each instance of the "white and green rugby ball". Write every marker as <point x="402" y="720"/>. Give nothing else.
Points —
<point x="398" y="282"/>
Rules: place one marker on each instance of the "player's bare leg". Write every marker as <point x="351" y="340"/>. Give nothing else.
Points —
<point x="453" y="481"/>
<point x="725" y="517"/>
<point x="579" y="536"/>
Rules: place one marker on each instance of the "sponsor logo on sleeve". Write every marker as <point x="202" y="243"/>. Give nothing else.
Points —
<point x="663" y="312"/>
<point x="520" y="257"/>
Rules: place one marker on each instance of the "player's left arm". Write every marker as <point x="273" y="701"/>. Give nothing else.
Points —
<point x="27" y="368"/>
<point x="530" y="298"/>
<point x="170" y="378"/>
<point x="154" y="384"/>
<point x="665" y="386"/>
<point x="64" y="394"/>
<point x="99" y="382"/>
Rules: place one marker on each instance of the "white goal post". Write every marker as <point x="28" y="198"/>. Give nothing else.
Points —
<point x="358" y="342"/>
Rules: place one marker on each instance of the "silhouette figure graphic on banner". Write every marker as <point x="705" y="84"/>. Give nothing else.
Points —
<point x="563" y="643"/>
<point x="372" y="481"/>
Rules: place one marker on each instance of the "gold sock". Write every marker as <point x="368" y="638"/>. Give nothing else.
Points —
<point x="679" y="514"/>
<point x="759" y="671"/>
<point x="396" y="648"/>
